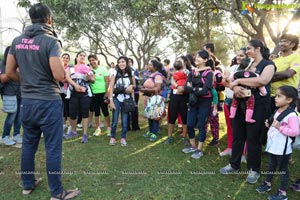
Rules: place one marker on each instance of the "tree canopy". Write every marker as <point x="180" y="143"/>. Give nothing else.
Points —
<point x="146" y="28"/>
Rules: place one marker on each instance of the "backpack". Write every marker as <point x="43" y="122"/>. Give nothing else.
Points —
<point x="119" y="75"/>
<point x="218" y="77"/>
<point x="155" y="107"/>
<point x="203" y="80"/>
<point x="280" y="117"/>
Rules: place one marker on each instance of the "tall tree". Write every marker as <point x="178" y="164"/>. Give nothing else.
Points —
<point x="257" y="23"/>
<point x="111" y="28"/>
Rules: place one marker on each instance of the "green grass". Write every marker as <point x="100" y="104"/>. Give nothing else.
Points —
<point x="143" y="170"/>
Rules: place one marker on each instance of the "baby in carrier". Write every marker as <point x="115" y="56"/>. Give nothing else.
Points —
<point x="78" y="75"/>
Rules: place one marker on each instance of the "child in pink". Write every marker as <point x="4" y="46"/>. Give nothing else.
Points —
<point x="250" y="101"/>
<point x="79" y="72"/>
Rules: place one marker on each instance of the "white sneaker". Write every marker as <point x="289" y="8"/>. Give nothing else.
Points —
<point x="243" y="159"/>
<point x="97" y="132"/>
<point x="79" y="125"/>
<point x="18" y="139"/>
<point x="7" y="141"/>
<point x="252" y="177"/>
<point x="226" y="152"/>
<point x="65" y="126"/>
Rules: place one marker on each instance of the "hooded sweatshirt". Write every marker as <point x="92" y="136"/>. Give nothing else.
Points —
<point x="32" y="50"/>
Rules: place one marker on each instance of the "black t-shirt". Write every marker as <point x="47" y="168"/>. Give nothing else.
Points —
<point x="259" y="69"/>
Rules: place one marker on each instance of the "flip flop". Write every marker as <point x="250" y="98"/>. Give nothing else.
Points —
<point x="65" y="193"/>
<point x="37" y="182"/>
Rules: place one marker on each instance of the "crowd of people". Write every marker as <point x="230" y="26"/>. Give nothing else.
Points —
<point x="257" y="93"/>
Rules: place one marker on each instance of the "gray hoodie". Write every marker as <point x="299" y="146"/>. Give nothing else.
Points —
<point x="32" y="50"/>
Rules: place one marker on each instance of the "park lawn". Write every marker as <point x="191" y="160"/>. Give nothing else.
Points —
<point x="143" y="170"/>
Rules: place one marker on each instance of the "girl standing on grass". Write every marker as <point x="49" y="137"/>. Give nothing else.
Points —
<point x="279" y="143"/>
<point x="79" y="78"/>
<point x="253" y="133"/>
<point x="65" y="57"/>
<point x="178" y="99"/>
<point x="153" y="86"/>
<point x="198" y="85"/>
<point x="10" y="88"/>
<point x="100" y="92"/>
<point x="121" y="86"/>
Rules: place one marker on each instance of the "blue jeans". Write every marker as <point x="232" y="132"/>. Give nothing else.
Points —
<point x="42" y="116"/>
<point x="153" y="126"/>
<point x="198" y="116"/>
<point x="13" y="118"/>
<point x="115" y="116"/>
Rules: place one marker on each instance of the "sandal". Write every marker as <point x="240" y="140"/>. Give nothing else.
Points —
<point x="67" y="194"/>
<point x="37" y="182"/>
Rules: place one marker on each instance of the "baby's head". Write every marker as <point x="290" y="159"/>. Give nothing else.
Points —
<point x="244" y="63"/>
<point x="149" y="84"/>
<point x="84" y="69"/>
<point x="178" y="65"/>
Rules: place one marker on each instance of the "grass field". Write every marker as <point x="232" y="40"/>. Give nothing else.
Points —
<point x="143" y="170"/>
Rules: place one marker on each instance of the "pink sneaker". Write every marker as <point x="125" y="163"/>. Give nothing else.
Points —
<point x="123" y="142"/>
<point x="226" y="152"/>
<point x="112" y="141"/>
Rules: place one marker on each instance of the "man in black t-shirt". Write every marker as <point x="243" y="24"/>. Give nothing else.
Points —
<point x="36" y="55"/>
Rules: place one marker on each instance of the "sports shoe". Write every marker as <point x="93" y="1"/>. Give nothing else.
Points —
<point x="153" y="137"/>
<point x="295" y="186"/>
<point x="148" y="134"/>
<point x="243" y="159"/>
<point x="169" y="140"/>
<point x="112" y="141"/>
<point x="185" y="142"/>
<point x="197" y="154"/>
<point x="123" y="142"/>
<point x="101" y="125"/>
<point x="228" y="169"/>
<point x="65" y="126"/>
<point x="189" y="149"/>
<point x="213" y="143"/>
<point x="226" y="152"/>
<point x="263" y="188"/>
<point x="84" y="138"/>
<point x="108" y="130"/>
<point x="69" y="129"/>
<point x="97" y="132"/>
<point x="79" y="125"/>
<point x="278" y="196"/>
<point x="252" y="177"/>
<point x="70" y="135"/>
<point x="7" y="141"/>
<point x="18" y="139"/>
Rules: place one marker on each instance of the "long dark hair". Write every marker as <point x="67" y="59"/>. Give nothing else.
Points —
<point x="78" y="55"/>
<point x="265" y="52"/>
<point x="127" y="68"/>
<point x="289" y="92"/>
<point x="205" y="55"/>
<point x="191" y="59"/>
<point x="159" y="67"/>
